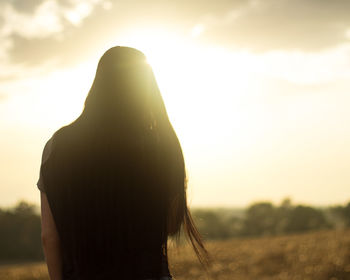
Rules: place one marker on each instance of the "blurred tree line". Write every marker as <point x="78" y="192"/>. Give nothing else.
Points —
<point x="20" y="226"/>
<point x="265" y="218"/>
<point x="20" y="233"/>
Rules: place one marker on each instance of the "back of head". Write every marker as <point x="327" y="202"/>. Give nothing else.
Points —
<point x="114" y="171"/>
<point x="125" y="86"/>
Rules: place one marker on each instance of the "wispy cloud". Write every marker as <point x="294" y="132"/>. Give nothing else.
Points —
<point x="266" y="25"/>
<point x="39" y="19"/>
<point x="36" y="22"/>
<point x="23" y="6"/>
<point x="43" y="22"/>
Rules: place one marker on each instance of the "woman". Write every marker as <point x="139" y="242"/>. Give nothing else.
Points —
<point x="113" y="182"/>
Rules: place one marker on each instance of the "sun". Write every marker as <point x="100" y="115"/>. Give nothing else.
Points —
<point x="200" y="84"/>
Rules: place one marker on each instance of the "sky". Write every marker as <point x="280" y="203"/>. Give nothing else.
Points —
<point x="258" y="91"/>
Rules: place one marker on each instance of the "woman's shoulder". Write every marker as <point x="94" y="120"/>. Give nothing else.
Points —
<point x="50" y="142"/>
<point x="47" y="149"/>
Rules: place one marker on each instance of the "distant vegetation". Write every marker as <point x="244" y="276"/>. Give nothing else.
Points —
<point x="267" y="219"/>
<point x="20" y="226"/>
<point x="20" y="233"/>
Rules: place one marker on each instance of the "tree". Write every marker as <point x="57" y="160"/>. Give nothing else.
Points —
<point x="20" y="233"/>
<point x="303" y="218"/>
<point x="260" y="219"/>
<point x="211" y="224"/>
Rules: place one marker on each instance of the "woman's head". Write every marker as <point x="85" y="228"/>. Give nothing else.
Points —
<point x="125" y="88"/>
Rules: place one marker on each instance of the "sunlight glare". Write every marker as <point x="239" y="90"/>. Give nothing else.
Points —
<point x="201" y="86"/>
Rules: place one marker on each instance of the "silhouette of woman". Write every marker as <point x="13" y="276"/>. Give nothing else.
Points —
<point x="113" y="182"/>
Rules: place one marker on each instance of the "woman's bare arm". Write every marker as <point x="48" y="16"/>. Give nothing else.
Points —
<point x="50" y="240"/>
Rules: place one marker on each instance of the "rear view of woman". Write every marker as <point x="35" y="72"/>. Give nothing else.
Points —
<point x="113" y="182"/>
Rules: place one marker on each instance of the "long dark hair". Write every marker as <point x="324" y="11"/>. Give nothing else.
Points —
<point x="116" y="176"/>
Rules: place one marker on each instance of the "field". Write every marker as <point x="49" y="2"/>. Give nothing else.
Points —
<point x="320" y="255"/>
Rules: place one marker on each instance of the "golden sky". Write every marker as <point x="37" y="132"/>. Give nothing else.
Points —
<point x="258" y="90"/>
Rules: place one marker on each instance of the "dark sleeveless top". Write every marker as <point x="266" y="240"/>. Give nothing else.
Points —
<point x="113" y="248"/>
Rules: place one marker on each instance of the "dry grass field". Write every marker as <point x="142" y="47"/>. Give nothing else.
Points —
<point x="321" y="255"/>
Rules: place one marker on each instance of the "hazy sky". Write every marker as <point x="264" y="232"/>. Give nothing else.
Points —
<point x="258" y="91"/>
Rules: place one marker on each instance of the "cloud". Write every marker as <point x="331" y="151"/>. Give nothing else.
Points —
<point x="23" y="6"/>
<point x="45" y="21"/>
<point x="35" y="33"/>
<point x="66" y="29"/>
<point x="69" y="31"/>
<point x="48" y="18"/>
<point x="265" y="25"/>
<point x="74" y="45"/>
